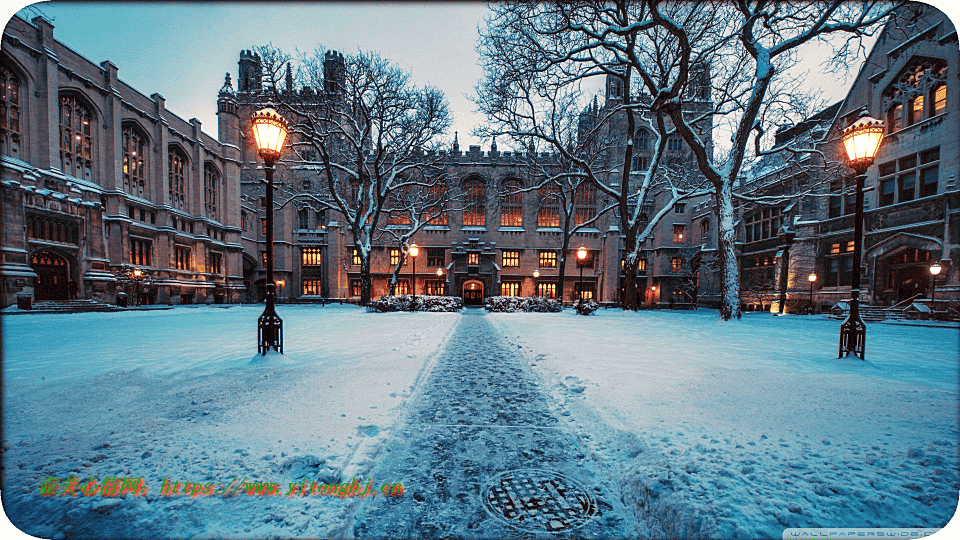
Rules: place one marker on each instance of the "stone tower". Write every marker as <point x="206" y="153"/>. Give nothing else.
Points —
<point x="333" y="71"/>
<point x="250" y="76"/>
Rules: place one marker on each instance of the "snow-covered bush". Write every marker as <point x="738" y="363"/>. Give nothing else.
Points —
<point x="405" y="302"/>
<point x="586" y="308"/>
<point x="514" y="304"/>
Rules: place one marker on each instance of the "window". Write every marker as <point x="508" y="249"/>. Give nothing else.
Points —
<point x="674" y="144"/>
<point x="549" y="214"/>
<point x="133" y="155"/>
<point x="263" y="258"/>
<point x="355" y="257"/>
<point x="765" y="223"/>
<point x="139" y="251"/>
<point x="509" y="288"/>
<point x="547" y="290"/>
<point x="303" y="218"/>
<point x="547" y="259"/>
<point x="211" y="187"/>
<point x="263" y="226"/>
<point x="9" y="112"/>
<point x="355" y="287"/>
<point x="177" y="171"/>
<point x="433" y="287"/>
<point x="182" y="257"/>
<point x="215" y="262"/>
<point x="586" y="293"/>
<point x="704" y="229"/>
<point x="898" y="179"/>
<point x="435" y="257"/>
<point x="677" y="234"/>
<point x="643" y="140"/>
<point x="76" y="137"/>
<point x="395" y="257"/>
<point x="313" y="287"/>
<point x="940" y="99"/>
<point x="930" y="173"/>
<point x="52" y="230"/>
<point x="679" y="208"/>
<point x="894" y="118"/>
<point x="311" y="256"/>
<point x="436" y="196"/>
<point x="511" y="259"/>
<point x="403" y="287"/>
<point x="243" y="220"/>
<point x="473" y="215"/>
<point x="511" y="206"/>
<point x="907" y="186"/>
<point x="916" y="110"/>
<point x="585" y="200"/>
<point x="888" y="189"/>
<point x="473" y="259"/>
<point x="676" y="264"/>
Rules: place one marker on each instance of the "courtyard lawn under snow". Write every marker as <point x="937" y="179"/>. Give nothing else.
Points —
<point x="719" y="429"/>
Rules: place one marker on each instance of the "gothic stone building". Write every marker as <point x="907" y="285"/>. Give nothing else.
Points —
<point x="97" y="178"/>
<point x="912" y="202"/>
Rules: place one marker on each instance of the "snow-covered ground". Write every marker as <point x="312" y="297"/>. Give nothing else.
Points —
<point x="742" y="429"/>
<point x="173" y="394"/>
<point x="722" y="429"/>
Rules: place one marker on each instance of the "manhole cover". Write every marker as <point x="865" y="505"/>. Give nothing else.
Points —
<point x="535" y="501"/>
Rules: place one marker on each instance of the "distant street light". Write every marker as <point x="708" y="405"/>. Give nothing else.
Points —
<point x="137" y="275"/>
<point x="269" y="132"/>
<point x="935" y="269"/>
<point x="862" y="141"/>
<point x="280" y="283"/>
<point x="414" y="251"/>
<point x="536" y="288"/>
<point x="581" y="255"/>
<point x="812" y="278"/>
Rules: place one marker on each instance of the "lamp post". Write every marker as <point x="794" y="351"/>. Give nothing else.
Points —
<point x="536" y="286"/>
<point x="280" y="284"/>
<point x="414" y="251"/>
<point x="935" y="269"/>
<point x="812" y="278"/>
<point x="137" y="275"/>
<point x="269" y="132"/>
<point x="440" y="275"/>
<point x="581" y="255"/>
<point x="861" y="140"/>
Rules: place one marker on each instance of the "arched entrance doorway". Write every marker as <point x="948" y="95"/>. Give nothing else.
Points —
<point x="472" y="293"/>
<point x="52" y="276"/>
<point x="907" y="274"/>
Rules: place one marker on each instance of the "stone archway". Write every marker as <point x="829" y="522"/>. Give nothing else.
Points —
<point x="53" y="276"/>
<point x="901" y="266"/>
<point x="472" y="292"/>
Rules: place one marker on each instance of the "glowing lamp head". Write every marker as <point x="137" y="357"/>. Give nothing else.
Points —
<point x="137" y="272"/>
<point x="536" y="273"/>
<point x="439" y="271"/>
<point x="582" y="253"/>
<point x="935" y="269"/>
<point x="811" y="278"/>
<point x="654" y="288"/>
<point x="269" y="132"/>
<point x="862" y="140"/>
<point x="414" y="250"/>
<point x="280" y="282"/>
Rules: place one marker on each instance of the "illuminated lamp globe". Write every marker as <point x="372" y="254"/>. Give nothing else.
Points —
<point x="414" y="250"/>
<point x="582" y="253"/>
<point x="269" y="132"/>
<point x="935" y="269"/>
<point x="862" y="141"/>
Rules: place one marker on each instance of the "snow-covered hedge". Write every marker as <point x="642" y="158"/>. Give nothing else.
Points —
<point x="405" y="302"/>
<point x="586" y="308"/>
<point x="513" y="304"/>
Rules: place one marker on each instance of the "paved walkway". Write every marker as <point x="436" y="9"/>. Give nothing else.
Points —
<point x="483" y="456"/>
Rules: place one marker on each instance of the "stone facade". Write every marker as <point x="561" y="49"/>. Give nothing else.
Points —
<point x="98" y="179"/>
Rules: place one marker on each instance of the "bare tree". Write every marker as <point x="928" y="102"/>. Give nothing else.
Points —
<point x="673" y="51"/>
<point x="362" y="127"/>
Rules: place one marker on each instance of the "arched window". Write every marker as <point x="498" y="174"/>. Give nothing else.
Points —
<point x="177" y="176"/>
<point x="9" y="112"/>
<point x="939" y="99"/>
<point x="643" y="140"/>
<point x="437" y="199"/>
<point x="76" y="137"/>
<point x="211" y="189"/>
<point x="915" y="114"/>
<point x="511" y="206"/>
<point x="894" y="117"/>
<point x="549" y="214"/>
<point x="134" y="172"/>
<point x="704" y="228"/>
<point x="473" y="215"/>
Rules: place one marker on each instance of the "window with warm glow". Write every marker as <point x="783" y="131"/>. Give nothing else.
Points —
<point x="140" y="251"/>
<point x="509" y="288"/>
<point x="677" y="234"/>
<point x="355" y="287"/>
<point x="547" y="259"/>
<point x="547" y="290"/>
<point x="676" y="264"/>
<point x="133" y="155"/>
<point x="182" y="257"/>
<point x="403" y="287"/>
<point x="894" y="118"/>
<point x="585" y="201"/>
<point x="313" y="287"/>
<point x="473" y="259"/>
<point x="395" y="257"/>
<point x="475" y="212"/>
<point x="433" y="287"/>
<point x="916" y="110"/>
<point x="311" y="256"/>
<point x="940" y="99"/>
<point x="9" y="112"/>
<point x="355" y="257"/>
<point x="511" y="205"/>
<point x="549" y="213"/>
<point x="76" y="137"/>
<point x="511" y="259"/>
<point x="215" y="262"/>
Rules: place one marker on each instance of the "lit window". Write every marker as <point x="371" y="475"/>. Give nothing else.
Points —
<point x="676" y="264"/>
<point x="473" y="258"/>
<point x="834" y="249"/>
<point x="547" y="259"/>
<point x="133" y="155"/>
<point x="215" y="263"/>
<point x="9" y="112"/>
<point x="356" y="257"/>
<point x="473" y="215"/>
<point x="140" y="252"/>
<point x="677" y="234"/>
<point x="402" y="287"/>
<point x="585" y="200"/>
<point x="916" y="110"/>
<point x="511" y="207"/>
<point x="76" y="137"/>
<point x="312" y="256"/>
<point x="547" y="290"/>
<point x="182" y="256"/>
<point x="355" y="287"/>
<point x="395" y="257"/>
<point x="511" y="258"/>
<point x="510" y="288"/>
<point x="312" y="287"/>
<point x="940" y="99"/>
<point x="549" y="214"/>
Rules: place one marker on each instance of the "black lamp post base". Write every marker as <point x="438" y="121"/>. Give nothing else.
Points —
<point x="853" y="337"/>
<point x="269" y="327"/>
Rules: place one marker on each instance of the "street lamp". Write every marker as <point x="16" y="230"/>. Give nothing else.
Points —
<point x="440" y="275"/>
<point x="269" y="132"/>
<point x="137" y="274"/>
<point x="280" y="284"/>
<point x="935" y="269"/>
<point x="812" y="278"/>
<point x="861" y="140"/>
<point x="536" y="288"/>
<point x="581" y="255"/>
<point x="414" y="251"/>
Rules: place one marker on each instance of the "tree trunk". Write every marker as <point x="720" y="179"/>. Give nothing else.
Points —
<point x="727" y="255"/>
<point x="630" y="263"/>
<point x="365" y="280"/>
